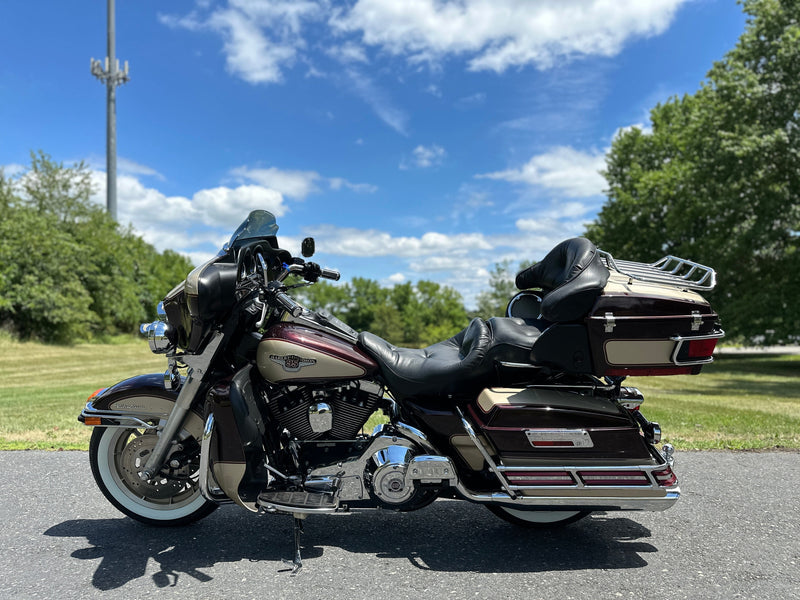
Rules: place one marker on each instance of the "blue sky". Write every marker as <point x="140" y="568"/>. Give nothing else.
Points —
<point x="415" y="139"/>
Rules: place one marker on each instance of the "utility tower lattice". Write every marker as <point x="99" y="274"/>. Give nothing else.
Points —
<point x="112" y="76"/>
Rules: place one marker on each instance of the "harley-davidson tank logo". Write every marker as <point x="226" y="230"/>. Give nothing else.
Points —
<point x="291" y="362"/>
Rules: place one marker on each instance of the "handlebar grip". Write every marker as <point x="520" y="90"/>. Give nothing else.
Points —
<point x="330" y="274"/>
<point x="292" y="307"/>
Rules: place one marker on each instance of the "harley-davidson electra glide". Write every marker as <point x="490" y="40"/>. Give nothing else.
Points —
<point x="525" y="414"/>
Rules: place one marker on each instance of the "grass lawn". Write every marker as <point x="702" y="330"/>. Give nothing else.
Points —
<point x="43" y="388"/>
<point x="740" y="401"/>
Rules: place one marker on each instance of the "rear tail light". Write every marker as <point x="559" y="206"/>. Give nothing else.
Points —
<point x="701" y="348"/>
<point x="665" y="477"/>
<point x="540" y="478"/>
<point x="614" y="478"/>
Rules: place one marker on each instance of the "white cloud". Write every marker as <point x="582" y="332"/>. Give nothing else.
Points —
<point x="505" y="33"/>
<point x="13" y="169"/>
<point x="186" y="224"/>
<point x="442" y="263"/>
<point x="471" y="101"/>
<point x="563" y="169"/>
<point x="349" y="241"/>
<point x="337" y="183"/>
<point x="470" y="201"/>
<point x="298" y="184"/>
<point x="434" y="90"/>
<point x="228" y="206"/>
<point x="396" y="278"/>
<point x="294" y="184"/>
<point x="348" y="52"/>
<point x="260" y="38"/>
<point x="378" y="100"/>
<point x="249" y="53"/>
<point x="425" y="157"/>
<point x="129" y="167"/>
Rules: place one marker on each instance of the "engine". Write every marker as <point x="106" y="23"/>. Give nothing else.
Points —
<point x="333" y="412"/>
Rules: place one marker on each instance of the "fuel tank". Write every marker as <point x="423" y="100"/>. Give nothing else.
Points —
<point x="298" y="354"/>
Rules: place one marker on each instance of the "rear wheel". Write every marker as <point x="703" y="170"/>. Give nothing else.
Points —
<point x="538" y="519"/>
<point x="172" y="498"/>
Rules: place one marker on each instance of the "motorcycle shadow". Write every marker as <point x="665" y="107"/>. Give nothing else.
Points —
<point x="448" y="536"/>
<point x="454" y="536"/>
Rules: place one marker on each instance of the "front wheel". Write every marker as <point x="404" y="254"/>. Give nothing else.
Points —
<point x="538" y="519"/>
<point x="172" y="498"/>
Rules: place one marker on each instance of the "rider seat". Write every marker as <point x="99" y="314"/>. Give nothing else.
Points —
<point x="456" y="365"/>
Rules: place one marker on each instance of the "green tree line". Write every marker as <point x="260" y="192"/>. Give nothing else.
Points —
<point x="406" y="314"/>
<point x="717" y="180"/>
<point x="67" y="270"/>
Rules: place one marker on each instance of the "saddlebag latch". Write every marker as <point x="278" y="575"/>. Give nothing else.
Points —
<point x="610" y="322"/>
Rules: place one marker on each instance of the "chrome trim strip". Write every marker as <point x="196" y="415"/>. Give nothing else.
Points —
<point x="680" y="340"/>
<point x="209" y="491"/>
<point x="127" y="420"/>
<point x="415" y="435"/>
<point x="645" y="503"/>
<point x="272" y="507"/>
<point x="492" y="466"/>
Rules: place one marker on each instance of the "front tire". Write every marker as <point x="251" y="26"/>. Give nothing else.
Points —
<point x="171" y="499"/>
<point x="538" y="519"/>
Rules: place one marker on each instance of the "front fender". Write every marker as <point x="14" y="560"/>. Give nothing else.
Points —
<point x="137" y="403"/>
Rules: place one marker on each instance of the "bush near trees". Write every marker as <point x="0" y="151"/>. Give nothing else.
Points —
<point x="718" y="179"/>
<point x="67" y="270"/>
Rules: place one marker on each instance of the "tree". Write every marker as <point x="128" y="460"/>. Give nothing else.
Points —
<point x="502" y="287"/>
<point x="67" y="270"/>
<point x="718" y="179"/>
<point x="406" y="314"/>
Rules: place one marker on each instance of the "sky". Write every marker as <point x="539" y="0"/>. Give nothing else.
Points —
<point x="413" y="139"/>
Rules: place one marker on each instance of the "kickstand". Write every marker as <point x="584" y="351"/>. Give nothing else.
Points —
<point x="297" y="563"/>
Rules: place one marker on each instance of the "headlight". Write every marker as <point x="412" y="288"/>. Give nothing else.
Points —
<point x="160" y="336"/>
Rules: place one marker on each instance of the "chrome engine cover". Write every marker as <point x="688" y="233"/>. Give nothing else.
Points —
<point x="389" y="482"/>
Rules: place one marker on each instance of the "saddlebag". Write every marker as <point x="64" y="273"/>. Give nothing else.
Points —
<point x="541" y="423"/>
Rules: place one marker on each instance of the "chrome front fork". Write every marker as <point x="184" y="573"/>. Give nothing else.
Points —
<point x="198" y="366"/>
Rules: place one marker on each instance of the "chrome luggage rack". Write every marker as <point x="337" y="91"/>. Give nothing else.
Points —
<point x="669" y="270"/>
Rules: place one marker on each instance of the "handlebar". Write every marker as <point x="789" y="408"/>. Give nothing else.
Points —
<point x="333" y="274"/>
<point x="292" y="307"/>
<point x="309" y="271"/>
<point x="273" y="293"/>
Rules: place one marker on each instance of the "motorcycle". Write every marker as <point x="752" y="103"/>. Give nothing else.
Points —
<point x="264" y="401"/>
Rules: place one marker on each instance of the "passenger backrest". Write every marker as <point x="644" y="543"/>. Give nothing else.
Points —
<point x="571" y="277"/>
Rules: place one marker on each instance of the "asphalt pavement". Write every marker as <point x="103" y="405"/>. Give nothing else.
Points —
<point x="735" y="533"/>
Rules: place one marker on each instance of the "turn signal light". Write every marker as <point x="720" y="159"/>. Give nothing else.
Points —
<point x="95" y="393"/>
<point x="93" y="421"/>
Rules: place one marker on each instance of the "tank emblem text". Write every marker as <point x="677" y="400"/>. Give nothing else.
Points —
<point x="291" y="362"/>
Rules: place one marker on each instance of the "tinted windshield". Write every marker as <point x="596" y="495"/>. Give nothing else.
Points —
<point x="258" y="224"/>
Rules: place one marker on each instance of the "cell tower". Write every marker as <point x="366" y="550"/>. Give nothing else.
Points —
<point x="112" y="76"/>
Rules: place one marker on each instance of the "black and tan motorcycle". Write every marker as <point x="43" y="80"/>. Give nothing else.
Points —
<point x="525" y="414"/>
